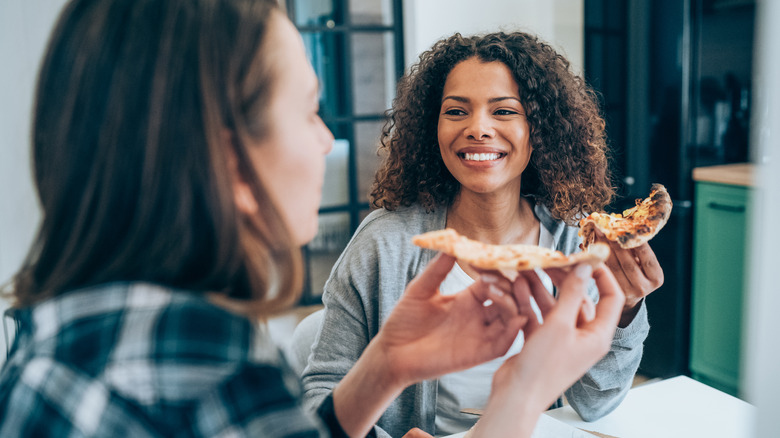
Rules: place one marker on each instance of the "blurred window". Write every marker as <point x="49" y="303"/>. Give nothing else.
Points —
<point x="356" y="49"/>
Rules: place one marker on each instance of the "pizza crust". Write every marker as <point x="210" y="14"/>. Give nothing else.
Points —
<point x="505" y="258"/>
<point x="634" y="226"/>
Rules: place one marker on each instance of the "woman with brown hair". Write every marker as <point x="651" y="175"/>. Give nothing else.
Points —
<point x="168" y="138"/>
<point x="495" y="137"/>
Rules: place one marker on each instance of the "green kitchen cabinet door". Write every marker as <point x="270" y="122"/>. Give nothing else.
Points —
<point x="719" y="265"/>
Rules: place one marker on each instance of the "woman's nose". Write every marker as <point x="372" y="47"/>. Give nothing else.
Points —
<point x="326" y="137"/>
<point x="480" y="127"/>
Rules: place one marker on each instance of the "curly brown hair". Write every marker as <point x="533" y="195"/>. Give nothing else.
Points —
<point x="569" y="169"/>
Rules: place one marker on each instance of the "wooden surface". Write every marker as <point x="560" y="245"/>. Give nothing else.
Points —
<point x="740" y="174"/>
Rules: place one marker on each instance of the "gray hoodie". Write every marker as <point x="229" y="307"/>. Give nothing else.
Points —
<point x="370" y="277"/>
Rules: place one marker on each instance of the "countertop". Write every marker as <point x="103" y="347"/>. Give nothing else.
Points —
<point x="739" y="174"/>
<point x="679" y="407"/>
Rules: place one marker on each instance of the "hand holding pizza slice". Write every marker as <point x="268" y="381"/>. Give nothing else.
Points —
<point x="510" y="259"/>
<point x="631" y="260"/>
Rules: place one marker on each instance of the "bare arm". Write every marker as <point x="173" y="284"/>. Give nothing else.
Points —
<point x="556" y="353"/>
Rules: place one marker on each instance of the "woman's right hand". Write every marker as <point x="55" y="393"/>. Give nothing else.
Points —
<point x="429" y="334"/>
<point x="556" y="352"/>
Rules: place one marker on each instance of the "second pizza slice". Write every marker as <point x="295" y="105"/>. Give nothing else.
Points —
<point x="505" y="257"/>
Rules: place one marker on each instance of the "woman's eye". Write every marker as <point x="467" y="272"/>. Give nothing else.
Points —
<point x="454" y="112"/>
<point x="505" y="112"/>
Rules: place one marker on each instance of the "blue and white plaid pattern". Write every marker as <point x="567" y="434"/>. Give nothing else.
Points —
<point x="137" y="360"/>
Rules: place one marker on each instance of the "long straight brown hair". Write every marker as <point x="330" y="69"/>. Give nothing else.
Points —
<point x="132" y="104"/>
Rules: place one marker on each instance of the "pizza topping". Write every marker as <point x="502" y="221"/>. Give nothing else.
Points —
<point x="635" y="225"/>
<point x="515" y="257"/>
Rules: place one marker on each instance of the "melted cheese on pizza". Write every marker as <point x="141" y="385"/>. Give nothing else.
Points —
<point x="635" y="225"/>
<point x="504" y="257"/>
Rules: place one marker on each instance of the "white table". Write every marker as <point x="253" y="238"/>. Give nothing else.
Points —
<point x="677" y="407"/>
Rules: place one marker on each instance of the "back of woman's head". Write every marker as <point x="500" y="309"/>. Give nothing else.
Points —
<point x="136" y="106"/>
<point x="567" y="130"/>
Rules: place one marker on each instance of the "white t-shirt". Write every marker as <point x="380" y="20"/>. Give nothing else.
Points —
<point x="470" y="388"/>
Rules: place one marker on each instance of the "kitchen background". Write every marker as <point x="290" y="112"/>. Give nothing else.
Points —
<point x="677" y="83"/>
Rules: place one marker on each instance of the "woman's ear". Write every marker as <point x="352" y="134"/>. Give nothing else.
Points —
<point x="242" y="193"/>
<point x="245" y="200"/>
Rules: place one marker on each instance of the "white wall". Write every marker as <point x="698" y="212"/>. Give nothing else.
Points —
<point x="558" y="22"/>
<point x="762" y="379"/>
<point x="24" y="30"/>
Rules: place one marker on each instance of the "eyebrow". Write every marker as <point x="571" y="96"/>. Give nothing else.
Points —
<point x="491" y="100"/>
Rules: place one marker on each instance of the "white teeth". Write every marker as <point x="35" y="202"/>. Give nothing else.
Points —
<point x="481" y="157"/>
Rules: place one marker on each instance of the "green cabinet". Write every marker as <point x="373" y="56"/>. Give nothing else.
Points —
<point x="719" y="273"/>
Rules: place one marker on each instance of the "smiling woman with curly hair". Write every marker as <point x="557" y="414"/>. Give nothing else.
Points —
<point x="495" y="137"/>
<point x="568" y="171"/>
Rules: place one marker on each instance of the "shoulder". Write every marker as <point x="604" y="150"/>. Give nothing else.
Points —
<point x="390" y="232"/>
<point x="404" y="220"/>
<point x="70" y="402"/>
<point x="120" y="323"/>
<point x="184" y="326"/>
<point x="177" y="350"/>
<point x="201" y="329"/>
<point x="380" y="258"/>
<point x="145" y="346"/>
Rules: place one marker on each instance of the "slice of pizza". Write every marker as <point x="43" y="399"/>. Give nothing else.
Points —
<point x="515" y="257"/>
<point x="635" y="226"/>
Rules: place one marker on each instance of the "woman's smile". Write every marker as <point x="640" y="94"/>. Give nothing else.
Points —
<point x="485" y="156"/>
<point x="481" y="158"/>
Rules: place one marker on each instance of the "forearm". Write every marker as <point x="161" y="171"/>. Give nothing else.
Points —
<point x="366" y="392"/>
<point x="517" y="397"/>
<point x="508" y="415"/>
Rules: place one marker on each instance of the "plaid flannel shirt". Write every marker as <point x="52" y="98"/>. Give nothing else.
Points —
<point x="140" y="360"/>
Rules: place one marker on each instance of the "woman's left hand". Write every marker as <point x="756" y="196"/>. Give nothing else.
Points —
<point x="637" y="271"/>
